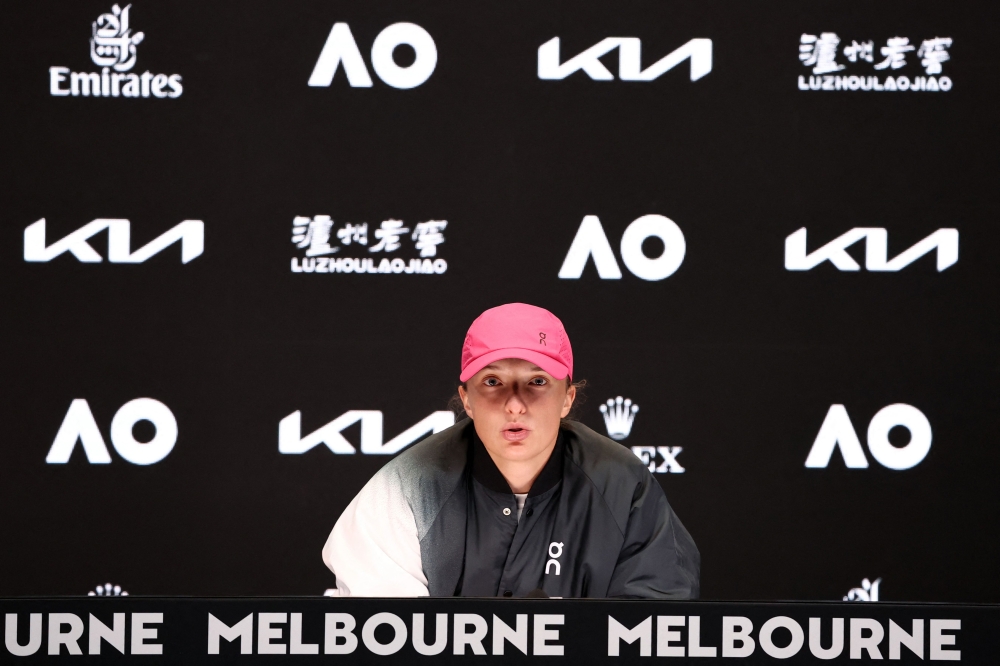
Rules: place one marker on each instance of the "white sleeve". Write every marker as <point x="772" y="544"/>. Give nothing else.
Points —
<point x="373" y="549"/>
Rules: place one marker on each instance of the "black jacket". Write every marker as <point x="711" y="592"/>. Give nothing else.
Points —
<point x="432" y="521"/>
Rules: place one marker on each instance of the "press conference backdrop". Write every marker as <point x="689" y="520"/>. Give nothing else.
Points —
<point x="242" y="245"/>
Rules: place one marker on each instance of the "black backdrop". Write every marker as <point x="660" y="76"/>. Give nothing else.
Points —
<point x="733" y="358"/>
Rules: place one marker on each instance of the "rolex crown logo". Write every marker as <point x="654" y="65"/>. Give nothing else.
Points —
<point x="107" y="590"/>
<point x="618" y="416"/>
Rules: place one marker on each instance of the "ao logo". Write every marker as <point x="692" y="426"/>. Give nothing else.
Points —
<point x="945" y="241"/>
<point x="591" y="241"/>
<point x="837" y="430"/>
<point x="699" y="51"/>
<point x="340" y="48"/>
<point x="290" y="438"/>
<point x="191" y="234"/>
<point x="79" y="425"/>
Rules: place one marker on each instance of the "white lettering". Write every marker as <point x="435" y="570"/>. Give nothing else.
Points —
<point x="837" y="430"/>
<point x="78" y="424"/>
<point x="191" y="234"/>
<point x="868" y="643"/>
<point x="34" y="635"/>
<point x="590" y="240"/>
<point x="518" y="637"/>
<point x="836" y="642"/>
<point x="340" y="48"/>
<point x="737" y="629"/>
<point x="464" y="638"/>
<point x="643" y="632"/>
<point x="140" y="633"/>
<point x="58" y="638"/>
<point x="99" y="631"/>
<point x="398" y="638"/>
<point x="699" y="51"/>
<point x="153" y="451"/>
<point x="945" y="241"/>
<point x="423" y="45"/>
<point x="339" y="626"/>
<point x="290" y="438"/>
<point x="665" y="636"/>
<point x="939" y="640"/>
<point x="296" y="646"/>
<point x="793" y="647"/>
<point x="266" y="632"/>
<point x="440" y="634"/>
<point x="543" y="634"/>
<point x="913" y="641"/>
<point x="695" y="648"/>
<point x="907" y="456"/>
<point x="217" y="629"/>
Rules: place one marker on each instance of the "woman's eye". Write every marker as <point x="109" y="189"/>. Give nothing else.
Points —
<point x="538" y="381"/>
<point x="491" y="381"/>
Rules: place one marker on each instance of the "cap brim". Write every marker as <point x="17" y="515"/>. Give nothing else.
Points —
<point x="546" y="363"/>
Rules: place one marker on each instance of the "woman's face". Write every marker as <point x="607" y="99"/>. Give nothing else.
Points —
<point x="516" y="407"/>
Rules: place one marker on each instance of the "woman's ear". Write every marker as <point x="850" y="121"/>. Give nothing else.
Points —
<point x="464" y="395"/>
<point x="568" y="404"/>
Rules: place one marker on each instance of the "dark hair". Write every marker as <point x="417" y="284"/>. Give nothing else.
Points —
<point x="455" y="403"/>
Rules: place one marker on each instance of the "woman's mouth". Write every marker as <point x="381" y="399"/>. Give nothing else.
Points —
<point x="515" y="432"/>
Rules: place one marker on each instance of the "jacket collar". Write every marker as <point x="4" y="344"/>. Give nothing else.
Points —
<point x="485" y="471"/>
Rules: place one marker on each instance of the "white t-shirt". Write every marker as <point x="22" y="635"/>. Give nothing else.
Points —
<point x="520" y="497"/>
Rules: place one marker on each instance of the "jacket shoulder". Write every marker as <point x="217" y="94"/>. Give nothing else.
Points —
<point x="429" y="472"/>
<point x="611" y="470"/>
<point x="602" y="458"/>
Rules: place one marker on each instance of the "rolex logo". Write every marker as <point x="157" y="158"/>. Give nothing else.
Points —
<point x="618" y="416"/>
<point x="107" y="590"/>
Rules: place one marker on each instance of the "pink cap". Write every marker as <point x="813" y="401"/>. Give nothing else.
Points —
<point x="517" y="330"/>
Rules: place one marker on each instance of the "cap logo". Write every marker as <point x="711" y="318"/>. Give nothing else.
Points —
<point x="541" y="339"/>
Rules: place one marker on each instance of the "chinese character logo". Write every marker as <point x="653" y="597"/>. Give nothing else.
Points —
<point x="428" y="235"/>
<point x="821" y="53"/>
<point x="618" y="416"/>
<point x="934" y="52"/>
<point x="395" y="249"/>
<point x="313" y="235"/>
<point x="388" y="236"/>
<point x="895" y="51"/>
<point x="113" y="44"/>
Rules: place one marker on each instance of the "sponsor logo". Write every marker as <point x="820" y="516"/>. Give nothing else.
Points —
<point x="697" y="51"/>
<point x="67" y="630"/>
<point x="341" y="50"/>
<point x="113" y="49"/>
<point x="79" y="425"/>
<point x="107" y="590"/>
<point x="316" y="237"/>
<point x="591" y="242"/>
<point x="290" y="439"/>
<point x="740" y="639"/>
<point x="619" y="414"/>
<point x="555" y="552"/>
<point x="383" y="634"/>
<point x="945" y="241"/>
<point x="838" y="432"/>
<point x="867" y="592"/>
<point x="834" y="68"/>
<point x="190" y="233"/>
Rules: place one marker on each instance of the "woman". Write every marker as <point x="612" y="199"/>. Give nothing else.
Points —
<point x="514" y="501"/>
